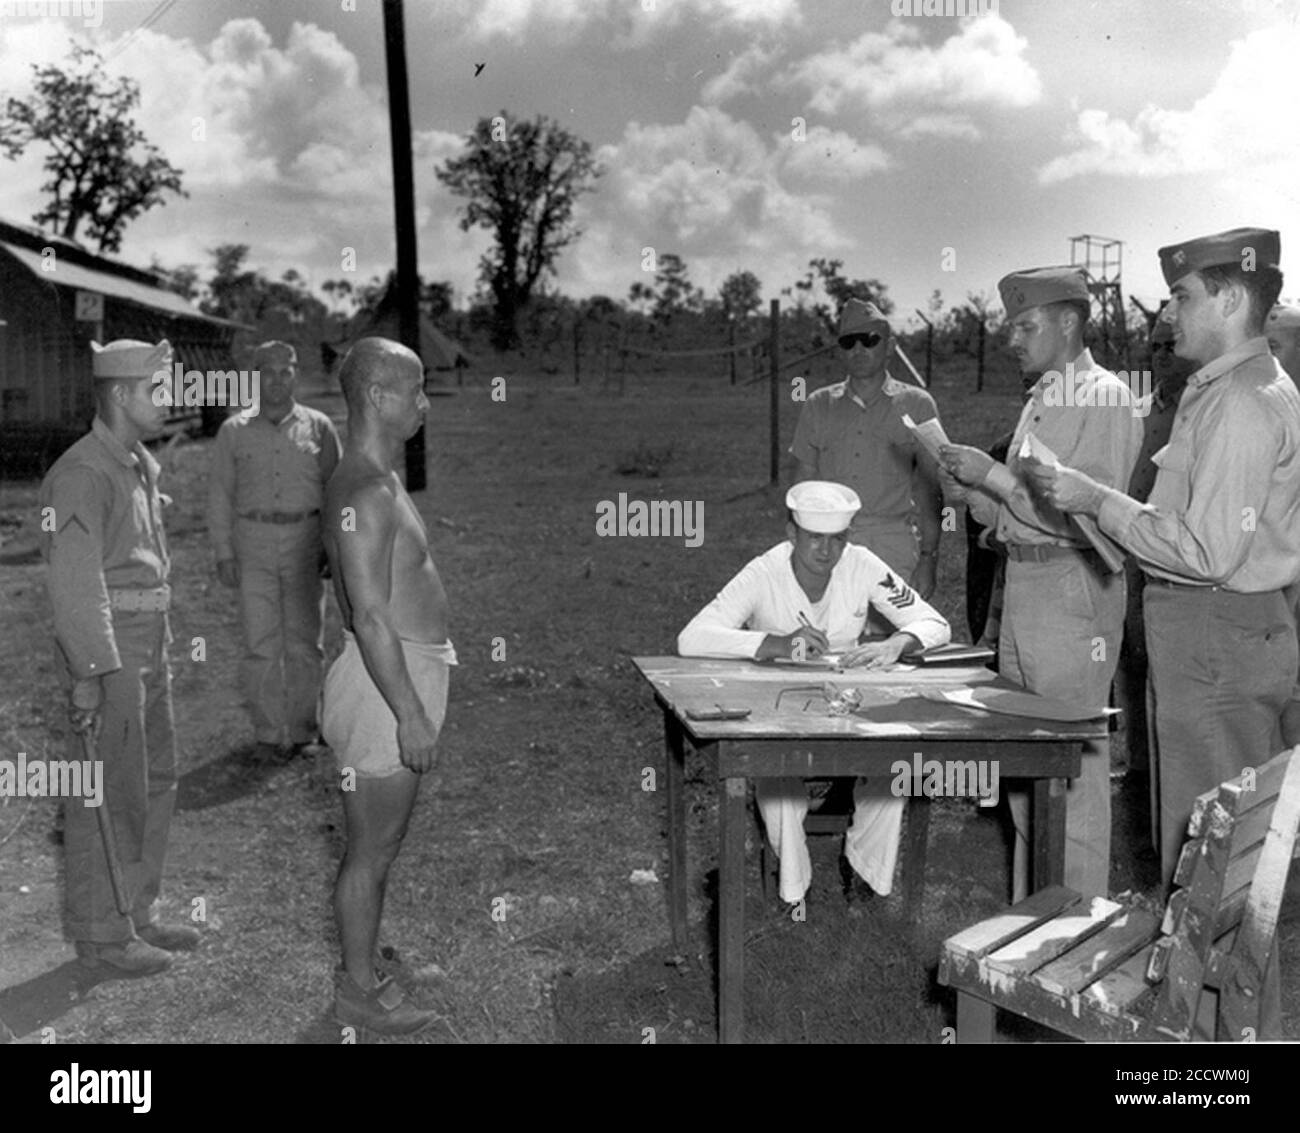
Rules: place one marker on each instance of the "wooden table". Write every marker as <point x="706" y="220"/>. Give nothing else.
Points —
<point x="804" y="740"/>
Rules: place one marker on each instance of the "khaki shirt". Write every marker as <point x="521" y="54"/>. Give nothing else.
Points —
<point x="1161" y="407"/>
<point x="105" y="531"/>
<point x="864" y="444"/>
<point x="1225" y="508"/>
<point x="1086" y="417"/>
<point x="257" y="466"/>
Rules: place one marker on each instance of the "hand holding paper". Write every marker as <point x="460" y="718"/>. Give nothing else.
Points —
<point x="1064" y="488"/>
<point x="929" y="433"/>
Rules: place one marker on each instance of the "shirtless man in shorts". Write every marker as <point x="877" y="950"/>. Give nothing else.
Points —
<point x="386" y="694"/>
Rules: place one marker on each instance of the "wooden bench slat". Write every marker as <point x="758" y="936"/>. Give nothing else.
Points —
<point x="1268" y="782"/>
<point x="982" y="938"/>
<point x="1069" y="974"/>
<point x="1039" y="947"/>
<point x="1118" y="991"/>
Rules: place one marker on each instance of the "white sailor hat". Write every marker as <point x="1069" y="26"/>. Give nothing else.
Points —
<point x="1284" y="316"/>
<point x="822" y="506"/>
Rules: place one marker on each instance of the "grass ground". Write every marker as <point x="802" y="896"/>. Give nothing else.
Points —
<point x="536" y="810"/>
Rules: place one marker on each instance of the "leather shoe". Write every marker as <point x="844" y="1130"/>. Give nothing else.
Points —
<point x="169" y="937"/>
<point x="383" y="1009"/>
<point x="133" y="957"/>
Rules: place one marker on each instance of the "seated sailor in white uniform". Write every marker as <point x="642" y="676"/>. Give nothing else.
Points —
<point x="807" y="596"/>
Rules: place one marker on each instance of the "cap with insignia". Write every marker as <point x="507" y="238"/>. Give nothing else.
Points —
<point x="1250" y="248"/>
<point x="860" y="317"/>
<point x="822" y="506"/>
<point x="1035" y="287"/>
<point x="1283" y="317"/>
<point x="130" y="358"/>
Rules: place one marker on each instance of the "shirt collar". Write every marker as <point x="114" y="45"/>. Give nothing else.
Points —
<point x="130" y="458"/>
<point x="294" y="413"/>
<point x="1083" y="364"/>
<point x="887" y="389"/>
<point x="1227" y="361"/>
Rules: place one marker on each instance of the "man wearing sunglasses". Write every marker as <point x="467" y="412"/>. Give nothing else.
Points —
<point x="1063" y="612"/>
<point x="852" y="433"/>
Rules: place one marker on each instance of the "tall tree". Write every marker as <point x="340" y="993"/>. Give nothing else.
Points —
<point x="676" y="292"/>
<point x="741" y="294"/>
<point x="103" y="171"/>
<point x="520" y="180"/>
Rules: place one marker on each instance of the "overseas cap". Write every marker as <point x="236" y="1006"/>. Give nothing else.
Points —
<point x="1283" y="317"/>
<point x="1260" y="247"/>
<point x="130" y="358"/>
<point x="860" y="317"/>
<point x="822" y="505"/>
<point x="275" y="351"/>
<point x="1035" y="287"/>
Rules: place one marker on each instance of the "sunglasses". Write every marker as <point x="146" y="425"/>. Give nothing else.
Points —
<point x="869" y="340"/>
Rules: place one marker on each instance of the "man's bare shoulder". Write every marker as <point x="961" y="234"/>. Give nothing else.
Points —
<point x="359" y="485"/>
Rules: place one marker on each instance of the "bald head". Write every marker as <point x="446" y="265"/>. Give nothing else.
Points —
<point x="376" y="361"/>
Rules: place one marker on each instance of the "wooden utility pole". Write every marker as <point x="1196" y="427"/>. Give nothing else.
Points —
<point x="408" y="278"/>
<point x="774" y="394"/>
<point x="929" y="348"/>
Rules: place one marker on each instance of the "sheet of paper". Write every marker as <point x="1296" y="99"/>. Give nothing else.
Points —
<point x="1112" y="554"/>
<point x="929" y="433"/>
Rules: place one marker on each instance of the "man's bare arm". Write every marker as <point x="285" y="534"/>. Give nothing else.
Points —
<point x="368" y="528"/>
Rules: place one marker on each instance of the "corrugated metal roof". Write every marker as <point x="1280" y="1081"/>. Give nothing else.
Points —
<point x="87" y="279"/>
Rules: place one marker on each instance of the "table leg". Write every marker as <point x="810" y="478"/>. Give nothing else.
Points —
<point x="918" y="830"/>
<point x="1047" y="833"/>
<point x="731" y="911"/>
<point x="675" y="745"/>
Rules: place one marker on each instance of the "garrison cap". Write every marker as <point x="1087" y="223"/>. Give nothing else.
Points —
<point x="1035" y="287"/>
<point x="1253" y="247"/>
<point x="130" y="358"/>
<point x="860" y="317"/>
<point x="822" y="505"/>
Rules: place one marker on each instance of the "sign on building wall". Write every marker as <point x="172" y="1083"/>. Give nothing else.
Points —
<point x="90" y="307"/>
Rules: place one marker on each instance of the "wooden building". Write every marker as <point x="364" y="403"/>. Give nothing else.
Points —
<point x="55" y="298"/>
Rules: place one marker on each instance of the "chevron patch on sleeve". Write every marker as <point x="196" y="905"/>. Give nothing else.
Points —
<point x="898" y="594"/>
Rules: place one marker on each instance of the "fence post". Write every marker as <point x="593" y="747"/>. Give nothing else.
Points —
<point x="929" y="350"/>
<point x="731" y="341"/>
<point x="774" y="396"/>
<point x="979" y="375"/>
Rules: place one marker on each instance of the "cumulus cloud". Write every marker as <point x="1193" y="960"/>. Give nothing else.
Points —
<point x="826" y="155"/>
<point x="632" y="23"/>
<point x="742" y="76"/>
<point x="908" y="84"/>
<point x="281" y="146"/>
<point x="716" y="192"/>
<point x="1246" y="119"/>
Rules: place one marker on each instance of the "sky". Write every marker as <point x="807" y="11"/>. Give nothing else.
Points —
<point x="928" y="151"/>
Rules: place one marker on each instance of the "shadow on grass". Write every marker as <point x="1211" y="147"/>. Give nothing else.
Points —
<point x="243" y="772"/>
<point x="845" y="974"/>
<point x="27" y="1007"/>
